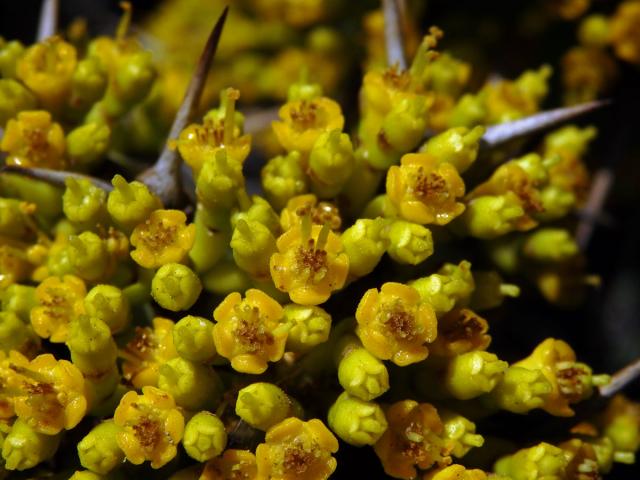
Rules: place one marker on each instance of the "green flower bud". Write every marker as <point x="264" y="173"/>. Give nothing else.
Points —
<point x="624" y="432"/>
<point x="520" y="390"/>
<point x="490" y="216"/>
<point x="450" y="287"/>
<point x="204" y="436"/>
<point x="253" y="244"/>
<point x="211" y="240"/>
<point x="193" y="339"/>
<point x="405" y="124"/>
<point x="83" y="202"/>
<point x="14" y="98"/>
<point x="10" y="53"/>
<point x="594" y="31"/>
<point x="356" y="421"/>
<point x="457" y="146"/>
<point x="362" y="375"/>
<point x="92" y="347"/>
<point x="87" y="144"/>
<point x="98" y="451"/>
<point x="409" y="243"/>
<point x="19" y="299"/>
<point x="15" y="334"/>
<point x="308" y="326"/>
<point x="365" y="244"/>
<point x="262" y="212"/>
<point x="219" y="181"/>
<point x="303" y="89"/>
<point x="25" y="448"/>
<point x="490" y="291"/>
<point x="88" y="85"/>
<point x="283" y="178"/>
<point x="85" y="255"/>
<point x="131" y="83"/>
<point x="550" y="245"/>
<point x="130" y="203"/>
<point x="225" y="278"/>
<point x="175" y="287"/>
<point x="556" y="203"/>
<point x="15" y="219"/>
<point x="263" y="405"/>
<point x="331" y="163"/>
<point x="534" y="84"/>
<point x="468" y="112"/>
<point x="447" y="74"/>
<point x="109" y="304"/>
<point x="473" y="373"/>
<point x="192" y="385"/>
<point x="459" y="433"/>
<point x="571" y="140"/>
<point x="543" y="461"/>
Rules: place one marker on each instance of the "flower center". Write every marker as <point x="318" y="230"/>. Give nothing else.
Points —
<point x="571" y="378"/>
<point x="312" y="260"/>
<point x="430" y="187"/>
<point x="399" y="322"/>
<point x="297" y="459"/>
<point x="211" y="133"/>
<point x="305" y="116"/>
<point x="147" y="431"/>
<point x="157" y="235"/>
<point x="250" y="330"/>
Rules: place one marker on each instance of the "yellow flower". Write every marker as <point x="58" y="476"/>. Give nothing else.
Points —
<point x="34" y="140"/>
<point x="297" y="450"/>
<point x="424" y="190"/>
<point x="382" y="89"/>
<point x="570" y="381"/>
<point x="455" y="472"/>
<point x="150" y="348"/>
<point x="163" y="238"/>
<point x="394" y="324"/>
<point x="51" y="393"/>
<point x="625" y="35"/>
<point x="310" y="264"/>
<point x="151" y="425"/>
<point x="413" y="439"/>
<point x="248" y="331"/>
<point x="58" y="298"/>
<point x="232" y="465"/>
<point x="304" y="120"/>
<point x="460" y="331"/>
<point x="308" y="205"/>
<point x="219" y="130"/>
<point x="47" y="68"/>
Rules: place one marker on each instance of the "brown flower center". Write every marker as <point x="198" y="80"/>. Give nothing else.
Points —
<point x="250" y="330"/>
<point x="211" y="133"/>
<point x="305" y="116"/>
<point x="297" y="459"/>
<point x="571" y="380"/>
<point x="399" y="322"/>
<point x="312" y="259"/>
<point x="147" y="431"/>
<point x="431" y="187"/>
<point x="157" y="235"/>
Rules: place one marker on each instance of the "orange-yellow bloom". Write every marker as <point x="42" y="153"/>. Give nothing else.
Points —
<point x="424" y="190"/>
<point x="394" y="324"/>
<point x="248" y="332"/>
<point x="308" y="205"/>
<point x="297" y="450"/>
<point x="151" y="426"/>
<point x="150" y="348"/>
<point x="51" y="393"/>
<point x="413" y="439"/>
<point x="460" y="331"/>
<point x="232" y="465"/>
<point x="47" y="69"/>
<point x="34" y="140"/>
<point x="455" y="472"/>
<point x="302" y="122"/>
<point x="58" y="298"/>
<point x="570" y="381"/>
<point x="310" y="264"/>
<point x="220" y="130"/>
<point x="625" y="34"/>
<point x="163" y="238"/>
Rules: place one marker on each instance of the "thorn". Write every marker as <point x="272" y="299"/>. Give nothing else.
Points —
<point x="162" y="178"/>
<point x="498" y="135"/>
<point x="600" y="186"/>
<point x="48" y="23"/>
<point x="621" y="379"/>
<point x="393" y="34"/>
<point x="54" y="177"/>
